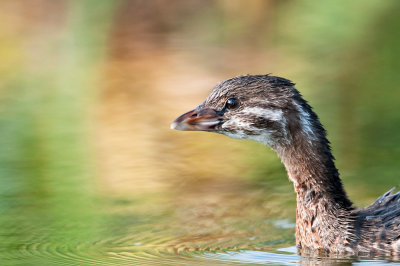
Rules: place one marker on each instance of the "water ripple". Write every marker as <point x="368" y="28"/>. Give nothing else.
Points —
<point x="119" y="252"/>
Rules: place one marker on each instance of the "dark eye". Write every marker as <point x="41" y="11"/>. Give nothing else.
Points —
<point x="232" y="103"/>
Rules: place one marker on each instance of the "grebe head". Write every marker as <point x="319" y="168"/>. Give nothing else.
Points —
<point x="263" y="108"/>
<point x="270" y="110"/>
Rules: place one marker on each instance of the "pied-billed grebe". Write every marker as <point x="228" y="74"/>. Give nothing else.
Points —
<point x="271" y="111"/>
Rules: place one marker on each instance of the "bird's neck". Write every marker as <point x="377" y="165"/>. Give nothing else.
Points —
<point x="322" y="202"/>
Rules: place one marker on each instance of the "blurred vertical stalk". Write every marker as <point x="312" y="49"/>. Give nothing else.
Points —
<point x="70" y="172"/>
<point x="46" y="173"/>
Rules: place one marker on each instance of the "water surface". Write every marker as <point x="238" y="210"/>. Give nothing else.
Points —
<point x="90" y="172"/>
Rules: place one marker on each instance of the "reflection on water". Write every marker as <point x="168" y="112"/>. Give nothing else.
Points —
<point x="254" y="257"/>
<point x="90" y="172"/>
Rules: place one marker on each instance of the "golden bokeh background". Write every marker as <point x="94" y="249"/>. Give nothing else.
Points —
<point x="88" y="90"/>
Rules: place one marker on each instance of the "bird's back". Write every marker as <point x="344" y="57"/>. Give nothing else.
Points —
<point x="377" y="227"/>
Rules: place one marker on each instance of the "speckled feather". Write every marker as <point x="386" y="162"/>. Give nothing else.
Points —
<point x="325" y="217"/>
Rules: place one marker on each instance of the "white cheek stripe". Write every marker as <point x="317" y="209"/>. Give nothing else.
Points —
<point x="305" y="122"/>
<point x="240" y="125"/>
<point x="260" y="135"/>
<point x="274" y="115"/>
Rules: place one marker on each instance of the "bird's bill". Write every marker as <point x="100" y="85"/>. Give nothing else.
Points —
<point x="198" y="120"/>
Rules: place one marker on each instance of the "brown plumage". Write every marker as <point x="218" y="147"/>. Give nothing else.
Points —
<point x="270" y="110"/>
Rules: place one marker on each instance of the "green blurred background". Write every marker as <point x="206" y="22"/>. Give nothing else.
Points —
<point x="89" y="169"/>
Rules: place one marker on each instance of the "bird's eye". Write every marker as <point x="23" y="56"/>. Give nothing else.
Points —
<point x="232" y="103"/>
